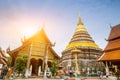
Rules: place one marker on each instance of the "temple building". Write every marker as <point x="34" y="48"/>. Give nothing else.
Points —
<point x="3" y="58"/>
<point x="39" y="51"/>
<point x="81" y="53"/>
<point x="111" y="55"/>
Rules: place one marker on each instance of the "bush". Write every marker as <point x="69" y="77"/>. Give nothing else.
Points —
<point x="21" y="63"/>
<point x="53" y="69"/>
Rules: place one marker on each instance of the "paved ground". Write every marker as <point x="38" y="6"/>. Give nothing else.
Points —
<point x="58" y="79"/>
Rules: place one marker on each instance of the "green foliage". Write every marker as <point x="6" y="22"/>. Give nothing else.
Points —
<point x="21" y="63"/>
<point x="9" y="60"/>
<point x="53" y="69"/>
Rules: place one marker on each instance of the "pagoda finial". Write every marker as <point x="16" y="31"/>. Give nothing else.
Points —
<point x="79" y="19"/>
<point x="43" y="26"/>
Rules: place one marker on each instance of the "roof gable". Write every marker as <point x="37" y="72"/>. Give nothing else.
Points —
<point x="38" y="39"/>
<point x="115" y="32"/>
<point x="40" y="35"/>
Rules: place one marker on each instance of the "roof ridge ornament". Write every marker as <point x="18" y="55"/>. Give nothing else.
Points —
<point x="110" y="26"/>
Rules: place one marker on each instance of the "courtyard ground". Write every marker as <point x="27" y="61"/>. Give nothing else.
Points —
<point x="60" y="79"/>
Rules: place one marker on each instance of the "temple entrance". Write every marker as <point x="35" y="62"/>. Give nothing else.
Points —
<point x="49" y="65"/>
<point x="36" y="66"/>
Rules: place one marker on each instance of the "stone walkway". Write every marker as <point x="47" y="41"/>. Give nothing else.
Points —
<point x="57" y="79"/>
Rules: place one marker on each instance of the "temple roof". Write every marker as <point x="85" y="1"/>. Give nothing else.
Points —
<point x="81" y="37"/>
<point x="28" y="41"/>
<point x="39" y="33"/>
<point x="112" y="50"/>
<point x="110" y="56"/>
<point x="114" y="39"/>
<point x="115" y="32"/>
<point x="112" y="45"/>
<point x="3" y="57"/>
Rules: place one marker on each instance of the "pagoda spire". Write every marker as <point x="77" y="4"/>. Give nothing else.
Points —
<point x="79" y="20"/>
<point x="81" y="37"/>
<point x="43" y="25"/>
<point x="80" y="26"/>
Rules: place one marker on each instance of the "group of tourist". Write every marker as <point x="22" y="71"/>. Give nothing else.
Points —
<point x="5" y="73"/>
<point x="62" y="73"/>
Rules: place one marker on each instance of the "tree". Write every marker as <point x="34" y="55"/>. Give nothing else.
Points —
<point x="54" y="67"/>
<point x="21" y="63"/>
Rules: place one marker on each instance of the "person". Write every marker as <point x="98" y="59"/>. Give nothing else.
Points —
<point x="71" y="73"/>
<point x="4" y="72"/>
<point x="64" y="71"/>
<point x="118" y="73"/>
<point x="9" y="74"/>
<point x="101" y="75"/>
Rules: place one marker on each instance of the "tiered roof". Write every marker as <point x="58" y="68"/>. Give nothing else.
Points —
<point x="3" y="58"/>
<point x="112" y="50"/>
<point x="81" y="37"/>
<point x="115" y="33"/>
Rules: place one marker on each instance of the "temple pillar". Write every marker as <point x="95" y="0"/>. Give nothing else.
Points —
<point x="69" y="64"/>
<point x="107" y="68"/>
<point x="30" y="70"/>
<point x="28" y="62"/>
<point x="40" y="65"/>
<point x="45" y="57"/>
<point x="46" y="61"/>
<point x="39" y="70"/>
<point x="76" y="63"/>
<point x="75" y="53"/>
<point x="43" y="65"/>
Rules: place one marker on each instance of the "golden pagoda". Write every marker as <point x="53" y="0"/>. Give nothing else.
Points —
<point x="81" y="53"/>
<point x="39" y="50"/>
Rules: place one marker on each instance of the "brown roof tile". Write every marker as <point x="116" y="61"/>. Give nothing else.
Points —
<point x="115" y="32"/>
<point x="112" y="55"/>
<point x="113" y="45"/>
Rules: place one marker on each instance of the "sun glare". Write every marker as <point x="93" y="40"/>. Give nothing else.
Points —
<point x="28" y="31"/>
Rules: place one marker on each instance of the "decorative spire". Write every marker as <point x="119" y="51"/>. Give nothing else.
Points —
<point x="79" y="20"/>
<point x="110" y="26"/>
<point x="43" y="26"/>
<point x="25" y="38"/>
<point x="42" y="29"/>
<point x="81" y="34"/>
<point x="80" y="26"/>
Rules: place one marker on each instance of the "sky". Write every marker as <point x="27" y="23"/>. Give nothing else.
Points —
<point x="59" y="18"/>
